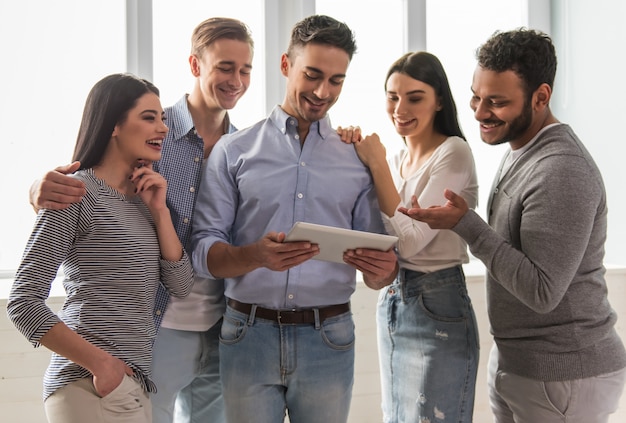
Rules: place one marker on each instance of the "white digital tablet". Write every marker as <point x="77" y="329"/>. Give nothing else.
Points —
<point x="333" y="242"/>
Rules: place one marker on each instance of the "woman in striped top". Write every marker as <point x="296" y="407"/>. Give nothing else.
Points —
<point x="114" y="247"/>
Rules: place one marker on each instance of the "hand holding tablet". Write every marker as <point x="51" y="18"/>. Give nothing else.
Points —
<point x="333" y="242"/>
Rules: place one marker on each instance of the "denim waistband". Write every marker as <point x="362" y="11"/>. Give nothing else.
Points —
<point x="413" y="279"/>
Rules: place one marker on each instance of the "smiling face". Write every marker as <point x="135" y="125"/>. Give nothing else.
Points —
<point x="502" y="108"/>
<point x="315" y="75"/>
<point x="411" y="105"/>
<point x="223" y="71"/>
<point x="140" y="135"/>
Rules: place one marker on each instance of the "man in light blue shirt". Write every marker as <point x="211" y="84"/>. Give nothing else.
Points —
<point x="288" y="334"/>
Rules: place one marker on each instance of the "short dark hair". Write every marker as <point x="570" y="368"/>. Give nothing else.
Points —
<point x="528" y="53"/>
<point x="107" y="105"/>
<point x="427" y="68"/>
<point x="210" y="30"/>
<point x="321" y="29"/>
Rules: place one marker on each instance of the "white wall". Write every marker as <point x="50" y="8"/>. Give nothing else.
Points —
<point x="589" y="94"/>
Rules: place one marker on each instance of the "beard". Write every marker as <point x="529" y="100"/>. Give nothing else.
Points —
<point x="518" y="126"/>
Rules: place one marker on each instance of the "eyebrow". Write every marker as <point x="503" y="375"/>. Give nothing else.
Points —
<point x="316" y="70"/>
<point x="490" y="97"/>
<point x="409" y="93"/>
<point x="156" y="112"/>
<point x="232" y="63"/>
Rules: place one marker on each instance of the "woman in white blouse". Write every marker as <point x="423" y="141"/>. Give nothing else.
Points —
<point x="427" y="332"/>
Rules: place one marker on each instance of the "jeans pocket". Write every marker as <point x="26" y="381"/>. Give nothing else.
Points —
<point x="443" y="306"/>
<point x="338" y="333"/>
<point x="233" y="330"/>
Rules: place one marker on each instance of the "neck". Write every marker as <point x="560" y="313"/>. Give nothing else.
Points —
<point x="423" y="144"/>
<point x="538" y="125"/>
<point x="116" y="174"/>
<point x="208" y="121"/>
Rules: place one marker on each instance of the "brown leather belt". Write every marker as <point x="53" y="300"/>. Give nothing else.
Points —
<point x="291" y="316"/>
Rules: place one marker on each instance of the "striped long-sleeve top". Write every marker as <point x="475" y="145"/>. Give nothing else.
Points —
<point x="109" y="252"/>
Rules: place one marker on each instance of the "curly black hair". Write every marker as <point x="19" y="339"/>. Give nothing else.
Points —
<point x="528" y="53"/>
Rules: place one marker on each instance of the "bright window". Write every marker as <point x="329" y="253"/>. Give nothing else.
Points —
<point x="52" y="54"/>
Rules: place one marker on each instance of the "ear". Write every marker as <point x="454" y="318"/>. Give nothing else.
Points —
<point x="541" y="97"/>
<point x="284" y="64"/>
<point x="439" y="104"/>
<point x="194" y="65"/>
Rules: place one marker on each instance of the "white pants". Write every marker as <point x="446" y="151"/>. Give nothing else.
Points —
<point x="516" y="399"/>
<point x="78" y="402"/>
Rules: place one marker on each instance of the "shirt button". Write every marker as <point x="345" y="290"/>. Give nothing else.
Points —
<point x="290" y="296"/>
<point x="158" y="312"/>
<point x="300" y="195"/>
<point x="186" y="220"/>
<point x="302" y="163"/>
<point x="196" y="159"/>
<point x="297" y="136"/>
<point x="495" y="191"/>
<point x="192" y="189"/>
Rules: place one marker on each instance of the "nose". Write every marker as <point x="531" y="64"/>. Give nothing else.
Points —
<point x="481" y="110"/>
<point x="235" y="80"/>
<point x="322" y="91"/>
<point x="399" y="106"/>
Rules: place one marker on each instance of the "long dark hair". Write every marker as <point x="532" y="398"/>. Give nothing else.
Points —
<point x="107" y="105"/>
<point x="427" y="68"/>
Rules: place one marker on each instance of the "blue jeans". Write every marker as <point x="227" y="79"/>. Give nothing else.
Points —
<point x="428" y="347"/>
<point x="185" y="369"/>
<point x="268" y="368"/>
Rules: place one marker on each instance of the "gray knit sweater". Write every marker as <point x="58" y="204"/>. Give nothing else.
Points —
<point x="543" y="250"/>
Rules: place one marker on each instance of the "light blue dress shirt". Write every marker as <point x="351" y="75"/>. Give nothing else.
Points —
<point x="263" y="179"/>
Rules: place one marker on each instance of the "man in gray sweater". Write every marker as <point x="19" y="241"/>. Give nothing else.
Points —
<point x="557" y="356"/>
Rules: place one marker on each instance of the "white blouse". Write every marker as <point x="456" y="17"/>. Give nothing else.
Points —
<point x="450" y="166"/>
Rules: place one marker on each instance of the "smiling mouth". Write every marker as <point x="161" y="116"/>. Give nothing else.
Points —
<point x="156" y="142"/>
<point x="490" y="125"/>
<point x="317" y="104"/>
<point x="231" y="93"/>
<point x="403" y="122"/>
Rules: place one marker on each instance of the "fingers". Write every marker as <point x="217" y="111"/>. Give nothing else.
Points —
<point x="145" y="178"/>
<point x="56" y="190"/>
<point x="414" y="203"/>
<point x="371" y="261"/>
<point x="377" y="267"/>
<point x="67" y="169"/>
<point x="128" y="370"/>
<point x="349" y="135"/>
<point x="280" y="256"/>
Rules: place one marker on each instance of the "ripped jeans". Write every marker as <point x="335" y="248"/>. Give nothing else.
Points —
<point x="428" y="348"/>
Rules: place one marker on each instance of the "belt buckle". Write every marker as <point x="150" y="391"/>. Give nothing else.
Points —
<point x="279" y="314"/>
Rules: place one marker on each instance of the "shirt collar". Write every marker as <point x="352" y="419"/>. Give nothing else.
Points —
<point x="182" y="122"/>
<point x="282" y="121"/>
<point x="515" y="154"/>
